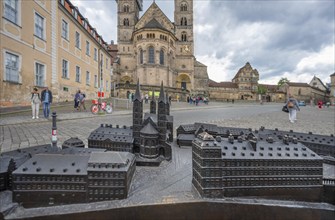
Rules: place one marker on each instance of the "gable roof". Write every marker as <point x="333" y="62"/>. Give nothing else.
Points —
<point x="154" y="17"/>
<point x="154" y="24"/>
<point x="246" y="68"/>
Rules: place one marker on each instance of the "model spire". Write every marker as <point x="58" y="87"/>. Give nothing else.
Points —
<point x="138" y="93"/>
<point x="162" y="97"/>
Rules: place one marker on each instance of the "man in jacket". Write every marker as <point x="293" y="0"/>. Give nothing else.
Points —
<point x="46" y="98"/>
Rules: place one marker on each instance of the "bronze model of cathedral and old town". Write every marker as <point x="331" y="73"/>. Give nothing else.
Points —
<point x="231" y="167"/>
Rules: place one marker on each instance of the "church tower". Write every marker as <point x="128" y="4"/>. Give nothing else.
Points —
<point x="183" y="19"/>
<point x="137" y="115"/>
<point x="128" y="12"/>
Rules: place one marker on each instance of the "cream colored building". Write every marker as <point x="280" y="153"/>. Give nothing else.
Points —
<point x="49" y="44"/>
<point x="332" y="88"/>
<point x="154" y="49"/>
<point x="243" y="86"/>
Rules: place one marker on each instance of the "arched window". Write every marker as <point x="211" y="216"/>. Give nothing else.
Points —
<point x="151" y="55"/>
<point x="126" y="22"/>
<point x="161" y="57"/>
<point x="183" y="21"/>
<point x="183" y="7"/>
<point x="184" y="37"/>
<point x="126" y="8"/>
<point x="141" y="56"/>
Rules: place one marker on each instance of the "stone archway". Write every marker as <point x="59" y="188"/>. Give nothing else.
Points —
<point x="126" y="79"/>
<point x="183" y="81"/>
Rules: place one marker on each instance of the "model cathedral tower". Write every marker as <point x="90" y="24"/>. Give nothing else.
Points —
<point x="152" y="134"/>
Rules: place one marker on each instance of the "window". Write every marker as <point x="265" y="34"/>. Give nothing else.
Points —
<point x="87" y="48"/>
<point x="183" y="21"/>
<point x="126" y="22"/>
<point x="12" y="67"/>
<point x="126" y="8"/>
<point x="77" y="74"/>
<point x="106" y="63"/>
<point x="151" y="55"/>
<point x="39" y="74"/>
<point x="95" y="54"/>
<point x="11" y="10"/>
<point x="106" y="86"/>
<point x="161" y="57"/>
<point x="141" y="56"/>
<point x="39" y="26"/>
<point x="88" y="78"/>
<point x="183" y="37"/>
<point x="183" y="7"/>
<point x="65" y="30"/>
<point x="77" y="40"/>
<point x="65" y="69"/>
<point x="95" y="81"/>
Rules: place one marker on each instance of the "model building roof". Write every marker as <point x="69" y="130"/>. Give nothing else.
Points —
<point x="149" y="129"/>
<point x="264" y="150"/>
<point x="104" y="161"/>
<point x="301" y="137"/>
<point x="116" y="134"/>
<point x="52" y="164"/>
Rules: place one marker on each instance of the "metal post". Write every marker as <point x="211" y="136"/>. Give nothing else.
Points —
<point x="54" y="131"/>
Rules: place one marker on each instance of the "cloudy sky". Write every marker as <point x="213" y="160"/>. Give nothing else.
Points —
<point x="280" y="38"/>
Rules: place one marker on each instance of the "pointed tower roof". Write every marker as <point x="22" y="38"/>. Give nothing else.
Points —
<point x="162" y="97"/>
<point x="138" y="93"/>
<point x="153" y="96"/>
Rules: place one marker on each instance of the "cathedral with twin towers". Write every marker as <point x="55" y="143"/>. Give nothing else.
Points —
<point x="154" y="49"/>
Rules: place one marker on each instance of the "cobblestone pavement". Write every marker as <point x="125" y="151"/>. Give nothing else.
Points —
<point x="21" y="131"/>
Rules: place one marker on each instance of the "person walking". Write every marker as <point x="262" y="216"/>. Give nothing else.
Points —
<point x="77" y="100"/>
<point x="35" y="102"/>
<point x="82" y="101"/>
<point x="292" y="105"/>
<point x="46" y="100"/>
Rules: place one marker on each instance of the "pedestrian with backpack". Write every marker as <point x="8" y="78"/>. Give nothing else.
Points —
<point x="293" y="107"/>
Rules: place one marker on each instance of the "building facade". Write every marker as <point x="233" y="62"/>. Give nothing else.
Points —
<point x="153" y="49"/>
<point x="49" y="44"/>
<point x="242" y="87"/>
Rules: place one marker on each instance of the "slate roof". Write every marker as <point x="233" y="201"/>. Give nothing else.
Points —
<point x="153" y="23"/>
<point x="230" y="85"/>
<point x="297" y="84"/>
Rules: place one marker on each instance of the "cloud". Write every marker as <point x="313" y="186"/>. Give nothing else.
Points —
<point x="293" y="39"/>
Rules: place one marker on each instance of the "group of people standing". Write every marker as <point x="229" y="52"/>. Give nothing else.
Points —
<point x="46" y="99"/>
<point x="196" y="100"/>
<point x="36" y="100"/>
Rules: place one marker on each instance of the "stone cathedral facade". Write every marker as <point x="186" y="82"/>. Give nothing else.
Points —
<point x="154" y="49"/>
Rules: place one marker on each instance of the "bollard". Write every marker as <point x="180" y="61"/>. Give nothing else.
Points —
<point x="54" y="131"/>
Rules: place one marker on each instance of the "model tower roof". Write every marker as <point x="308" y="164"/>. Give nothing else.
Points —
<point x="138" y="93"/>
<point x="162" y="97"/>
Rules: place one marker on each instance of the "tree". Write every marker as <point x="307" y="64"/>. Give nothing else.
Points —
<point x="261" y="89"/>
<point x="282" y="81"/>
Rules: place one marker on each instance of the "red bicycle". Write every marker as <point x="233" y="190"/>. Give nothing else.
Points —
<point x="104" y="107"/>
